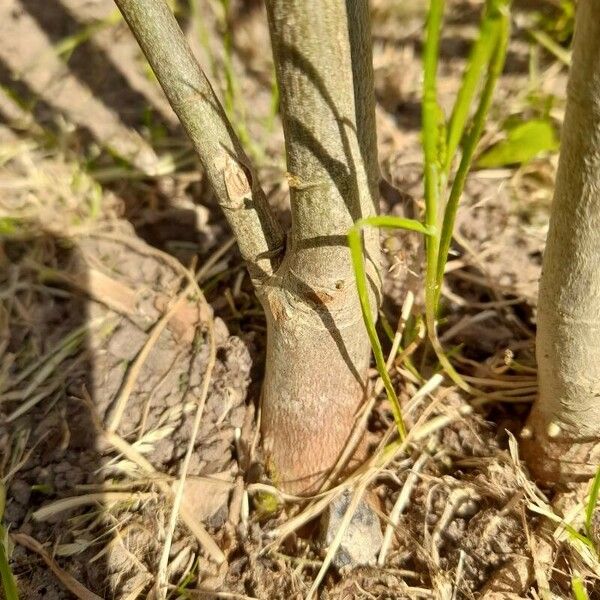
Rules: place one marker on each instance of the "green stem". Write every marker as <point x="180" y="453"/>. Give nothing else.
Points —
<point x="430" y="133"/>
<point x="9" y="585"/>
<point x="591" y="504"/>
<point x="470" y="144"/>
<point x="479" y="60"/>
<point x="578" y="588"/>
<point x="356" y="251"/>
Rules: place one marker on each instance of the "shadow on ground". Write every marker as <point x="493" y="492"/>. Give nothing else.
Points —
<point x="47" y="433"/>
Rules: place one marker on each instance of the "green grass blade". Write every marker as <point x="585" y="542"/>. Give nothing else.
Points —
<point x="67" y="45"/>
<point x="356" y="251"/>
<point x="578" y="589"/>
<point x="575" y="535"/>
<point x="470" y="144"/>
<point x="544" y="40"/>
<point x="479" y="59"/>
<point x="394" y="223"/>
<point x="9" y="585"/>
<point x="432" y="122"/>
<point x="387" y="328"/>
<point x="592" y="501"/>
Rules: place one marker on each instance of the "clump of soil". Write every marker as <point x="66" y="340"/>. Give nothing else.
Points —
<point x="57" y="413"/>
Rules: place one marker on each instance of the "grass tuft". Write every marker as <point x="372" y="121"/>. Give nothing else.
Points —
<point x="441" y="141"/>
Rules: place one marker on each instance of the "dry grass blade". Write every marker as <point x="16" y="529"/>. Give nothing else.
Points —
<point x="161" y="577"/>
<point x="309" y="513"/>
<point x="52" y="509"/>
<point x="455" y="499"/>
<point x="258" y="488"/>
<point x="187" y="517"/>
<point x="438" y="422"/>
<point x="135" y="368"/>
<point x="38" y="367"/>
<point x="45" y="392"/>
<point x="212" y="594"/>
<point x="204" y="270"/>
<point x="76" y="588"/>
<point x="139" y="246"/>
<point x="400" y="505"/>
<point x="427" y="388"/>
<point x="97" y="285"/>
<point x="136" y="592"/>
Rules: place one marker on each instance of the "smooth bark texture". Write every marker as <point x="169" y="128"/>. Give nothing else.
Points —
<point x="227" y="166"/>
<point x="563" y="433"/>
<point x="318" y="350"/>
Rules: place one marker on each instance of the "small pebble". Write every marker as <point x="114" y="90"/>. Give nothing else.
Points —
<point x="363" y="538"/>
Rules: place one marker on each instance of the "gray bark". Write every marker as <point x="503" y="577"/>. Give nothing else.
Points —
<point x="563" y="433"/>
<point x="227" y="166"/>
<point x="318" y="350"/>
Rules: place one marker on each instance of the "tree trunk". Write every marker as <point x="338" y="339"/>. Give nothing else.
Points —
<point x="563" y="433"/>
<point x="318" y="349"/>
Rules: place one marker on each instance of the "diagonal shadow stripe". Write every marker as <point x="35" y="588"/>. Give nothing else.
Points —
<point x="91" y="65"/>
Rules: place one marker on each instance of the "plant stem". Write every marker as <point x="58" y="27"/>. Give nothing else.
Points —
<point x="493" y="40"/>
<point x="227" y="166"/>
<point x="431" y="128"/>
<point x="479" y="60"/>
<point x="501" y="27"/>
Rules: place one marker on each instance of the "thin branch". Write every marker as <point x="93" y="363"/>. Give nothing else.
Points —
<point x="180" y="489"/>
<point x="227" y="166"/>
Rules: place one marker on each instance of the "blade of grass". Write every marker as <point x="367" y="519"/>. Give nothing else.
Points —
<point x="430" y="133"/>
<point x="479" y="59"/>
<point x="501" y="22"/>
<point x="575" y="535"/>
<point x="544" y="40"/>
<point x="591" y="504"/>
<point x="67" y="45"/>
<point x="578" y="589"/>
<point x="66" y="579"/>
<point x="9" y="586"/>
<point x="356" y="251"/>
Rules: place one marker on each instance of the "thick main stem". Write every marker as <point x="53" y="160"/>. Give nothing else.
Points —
<point x="316" y="373"/>
<point x="563" y="433"/>
<point x="318" y="349"/>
